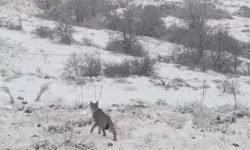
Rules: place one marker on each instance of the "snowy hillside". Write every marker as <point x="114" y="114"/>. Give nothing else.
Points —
<point x="177" y="108"/>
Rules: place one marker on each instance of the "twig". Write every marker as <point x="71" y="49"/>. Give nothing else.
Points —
<point x="44" y="88"/>
<point x="5" y="89"/>
<point x="100" y="93"/>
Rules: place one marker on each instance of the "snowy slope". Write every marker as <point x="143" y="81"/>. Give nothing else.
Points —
<point x="22" y="54"/>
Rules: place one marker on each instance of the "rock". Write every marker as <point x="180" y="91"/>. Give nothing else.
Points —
<point x="193" y="137"/>
<point x="56" y="129"/>
<point x="34" y="136"/>
<point x="24" y="102"/>
<point x="20" y="109"/>
<point x="38" y="125"/>
<point x="20" y="98"/>
<point x="28" y="110"/>
<point x="233" y="119"/>
<point x="51" y="106"/>
<point x="110" y="144"/>
<point x="218" y="118"/>
<point x="239" y="115"/>
<point x="236" y="145"/>
<point x="80" y="107"/>
<point x="156" y="121"/>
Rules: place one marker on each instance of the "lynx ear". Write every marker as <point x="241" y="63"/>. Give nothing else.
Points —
<point x="97" y="103"/>
<point x="91" y="102"/>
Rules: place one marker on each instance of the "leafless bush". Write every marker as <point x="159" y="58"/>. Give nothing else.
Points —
<point x="43" y="89"/>
<point x="92" y="66"/>
<point x="232" y="86"/>
<point x="1" y="23"/>
<point x="72" y="67"/>
<point x="65" y="32"/>
<point x="183" y="12"/>
<point x="117" y="69"/>
<point x="136" y="66"/>
<point x="211" y="48"/>
<point x="123" y="3"/>
<point x="140" y="21"/>
<point x="244" y="11"/>
<point x="128" y="45"/>
<point x="125" y="42"/>
<point x="44" y="32"/>
<point x="15" y="26"/>
<point x="47" y="4"/>
<point x="150" y="23"/>
<point x="78" y="66"/>
<point x="222" y="62"/>
<point x="6" y="90"/>
<point x="87" y="42"/>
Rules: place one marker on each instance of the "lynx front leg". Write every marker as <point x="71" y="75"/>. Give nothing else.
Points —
<point x="93" y="127"/>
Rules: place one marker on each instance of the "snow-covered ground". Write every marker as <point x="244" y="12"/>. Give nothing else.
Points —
<point x="22" y="55"/>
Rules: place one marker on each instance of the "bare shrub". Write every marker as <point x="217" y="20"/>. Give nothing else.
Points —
<point x="221" y="44"/>
<point x="244" y="11"/>
<point x="196" y="11"/>
<point x="140" y="21"/>
<point x="72" y="67"/>
<point x="65" y="32"/>
<point x="115" y="69"/>
<point x="184" y="12"/>
<point x="128" y="45"/>
<point x="80" y="9"/>
<point x="44" y="32"/>
<point x="47" y="4"/>
<point x="92" y="66"/>
<point x="6" y="90"/>
<point x="78" y="66"/>
<point x="87" y="42"/>
<point x="141" y="67"/>
<point x="125" y="42"/>
<point x="123" y="3"/>
<point x="15" y="26"/>
<point x="209" y="48"/>
<point x="150" y="23"/>
<point x="231" y="85"/>
<point x="43" y="89"/>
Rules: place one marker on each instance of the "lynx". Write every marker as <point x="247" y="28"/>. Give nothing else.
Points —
<point x="102" y="120"/>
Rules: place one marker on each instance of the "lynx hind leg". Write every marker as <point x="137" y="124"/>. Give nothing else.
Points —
<point x="99" y="129"/>
<point x="103" y="131"/>
<point x="112" y="130"/>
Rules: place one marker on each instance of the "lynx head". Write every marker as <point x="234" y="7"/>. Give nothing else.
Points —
<point x="93" y="106"/>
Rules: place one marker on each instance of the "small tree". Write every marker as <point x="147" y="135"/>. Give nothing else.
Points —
<point x="92" y="66"/>
<point x="123" y="3"/>
<point x="197" y="12"/>
<point x="80" y="9"/>
<point x="126" y="41"/>
<point x="150" y="23"/>
<point x="231" y="86"/>
<point x="44" y="32"/>
<point x="47" y="4"/>
<point x="65" y="32"/>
